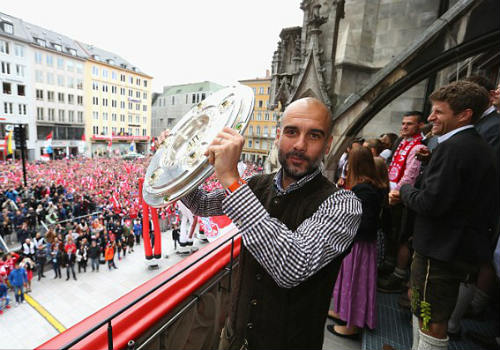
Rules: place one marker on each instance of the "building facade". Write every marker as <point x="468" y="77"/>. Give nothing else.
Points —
<point x="176" y="100"/>
<point x="16" y="105"/>
<point x="117" y="103"/>
<point x="58" y="92"/>
<point x="261" y="130"/>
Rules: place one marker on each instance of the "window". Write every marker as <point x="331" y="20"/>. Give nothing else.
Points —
<point x="275" y="118"/>
<point x="257" y="144"/>
<point x="259" y="116"/>
<point x="52" y="114"/>
<point x="104" y="130"/>
<point x="79" y="67"/>
<point x="7" y="107"/>
<point x="264" y="144"/>
<point x="145" y="83"/>
<point x="4" y="47"/>
<point x="130" y="93"/>
<point x="22" y="109"/>
<point x="18" y="50"/>
<point x="21" y="90"/>
<point x="57" y="47"/>
<point x="38" y="57"/>
<point x="8" y="27"/>
<point x="104" y="88"/>
<point x="95" y="70"/>
<point x="249" y="143"/>
<point x="114" y="76"/>
<point x="273" y="132"/>
<point x="105" y="102"/>
<point x="261" y="90"/>
<point x="257" y="131"/>
<point x="260" y="104"/>
<point x="95" y="85"/>
<point x="122" y="77"/>
<point x="122" y="91"/>
<point x="113" y="89"/>
<point x="80" y="117"/>
<point x="193" y="98"/>
<point x="70" y="66"/>
<point x="49" y="60"/>
<point x="113" y="130"/>
<point x="113" y="117"/>
<point x="138" y="94"/>
<point x="122" y="104"/>
<point x="39" y="94"/>
<point x="131" y="79"/>
<point x="105" y="116"/>
<point x="50" y="96"/>
<point x="71" y="51"/>
<point x="143" y="132"/>
<point x="266" y="116"/>
<point x="173" y="100"/>
<point x="266" y="131"/>
<point x="137" y="107"/>
<point x="40" y="42"/>
<point x="71" y="116"/>
<point x="79" y="84"/>
<point x="71" y="82"/>
<point x="95" y="115"/>
<point x="71" y="99"/>
<point x="79" y="100"/>
<point x="60" y="63"/>
<point x="144" y="108"/>
<point x="254" y="90"/>
<point x="104" y="73"/>
<point x="5" y="68"/>
<point x="122" y="117"/>
<point x="60" y="97"/>
<point x="129" y="131"/>
<point x="130" y="105"/>
<point x="50" y="78"/>
<point x="144" y="120"/>
<point x="39" y="113"/>
<point x="138" y="81"/>
<point x="95" y="130"/>
<point x="113" y="103"/>
<point x="95" y="101"/>
<point x="19" y="70"/>
<point x="7" y="88"/>
<point x="130" y="118"/>
<point x="61" y="115"/>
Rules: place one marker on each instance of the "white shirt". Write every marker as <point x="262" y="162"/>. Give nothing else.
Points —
<point x="449" y="134"/>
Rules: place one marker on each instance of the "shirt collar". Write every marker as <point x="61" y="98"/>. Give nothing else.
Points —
<point x="449" y="134"/>
<point x="488" y="111"/>
<point x="296" y="185"/>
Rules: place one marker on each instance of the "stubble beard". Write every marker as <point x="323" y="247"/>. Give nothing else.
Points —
<point x="312" y="165"/>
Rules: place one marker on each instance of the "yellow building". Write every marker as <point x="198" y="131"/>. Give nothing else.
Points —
<point x="117" y="104"/>
<point x="261" y="130"/>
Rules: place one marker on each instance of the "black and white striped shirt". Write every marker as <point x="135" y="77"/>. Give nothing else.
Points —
<point x="290" y="257"/>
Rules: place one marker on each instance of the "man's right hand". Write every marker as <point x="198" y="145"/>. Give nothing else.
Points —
<point x="423" y="154"/>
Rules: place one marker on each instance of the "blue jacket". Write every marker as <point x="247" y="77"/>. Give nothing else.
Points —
<point x="3" y="290"/>
<point x="18" y="277"/>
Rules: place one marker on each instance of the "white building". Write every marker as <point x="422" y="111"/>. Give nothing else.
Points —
<point x="58" y="76"/>
<point x="177" y="100"/>
<point x="16" y="97"/>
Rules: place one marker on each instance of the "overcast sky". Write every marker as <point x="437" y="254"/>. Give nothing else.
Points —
<point x="177" y="41"/>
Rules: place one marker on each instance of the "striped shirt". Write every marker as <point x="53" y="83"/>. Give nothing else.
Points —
<point x="290" y="257"/>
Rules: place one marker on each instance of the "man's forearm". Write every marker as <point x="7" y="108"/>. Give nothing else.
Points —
<point x="203" y="203"/>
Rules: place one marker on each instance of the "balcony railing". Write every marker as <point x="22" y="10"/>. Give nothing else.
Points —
<point x="190" y="297"/>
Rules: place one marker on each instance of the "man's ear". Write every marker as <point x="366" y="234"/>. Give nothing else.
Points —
<point x="278" y="135"/>
<point x="465" y="117"/>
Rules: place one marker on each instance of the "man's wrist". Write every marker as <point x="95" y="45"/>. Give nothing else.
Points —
<point x="228" y="180"/>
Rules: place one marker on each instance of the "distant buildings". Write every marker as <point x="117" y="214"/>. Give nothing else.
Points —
<point x="91" y="100"/>
<point x="175" y="101"/>
<point x="261" y="130"/>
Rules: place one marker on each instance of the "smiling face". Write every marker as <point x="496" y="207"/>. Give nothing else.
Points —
<point x="303" y="138"/>
<point x="410" y="126"/>
<point x="444" y="120"/>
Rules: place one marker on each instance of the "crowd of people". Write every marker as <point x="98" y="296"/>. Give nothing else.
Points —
<point x="437" y="196"/>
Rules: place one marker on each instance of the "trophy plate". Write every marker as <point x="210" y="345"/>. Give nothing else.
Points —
<point x="179" y="165"/>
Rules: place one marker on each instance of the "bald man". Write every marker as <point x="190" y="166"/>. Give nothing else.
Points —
<point x="295" y="226"/>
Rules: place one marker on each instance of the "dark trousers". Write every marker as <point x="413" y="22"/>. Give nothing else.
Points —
<point x="72" y="268"/>
<point x="57" y="269"/>
<point x="94" y="262"/>
<point x="19" y="293"/>
<point x="82" y="265"/>
<point x="41" y="266"/>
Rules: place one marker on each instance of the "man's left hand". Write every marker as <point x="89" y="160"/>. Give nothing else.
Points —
<point x="394" y="197"/>
<point x="224" y="153"/>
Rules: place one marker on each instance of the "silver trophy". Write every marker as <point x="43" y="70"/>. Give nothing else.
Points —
<point x="179" y="165"/>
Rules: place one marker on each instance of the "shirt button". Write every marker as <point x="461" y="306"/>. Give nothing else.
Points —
<point x="249" y="325"/>
<point x="258" y="276"/>
<point x="253" y="302"/>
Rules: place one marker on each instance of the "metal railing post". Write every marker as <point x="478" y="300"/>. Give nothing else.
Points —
<point x="110" y="336"/>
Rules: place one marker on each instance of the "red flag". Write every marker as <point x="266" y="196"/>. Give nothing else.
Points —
<point x="83" y="137"/>
<point x="116" y="205"/>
